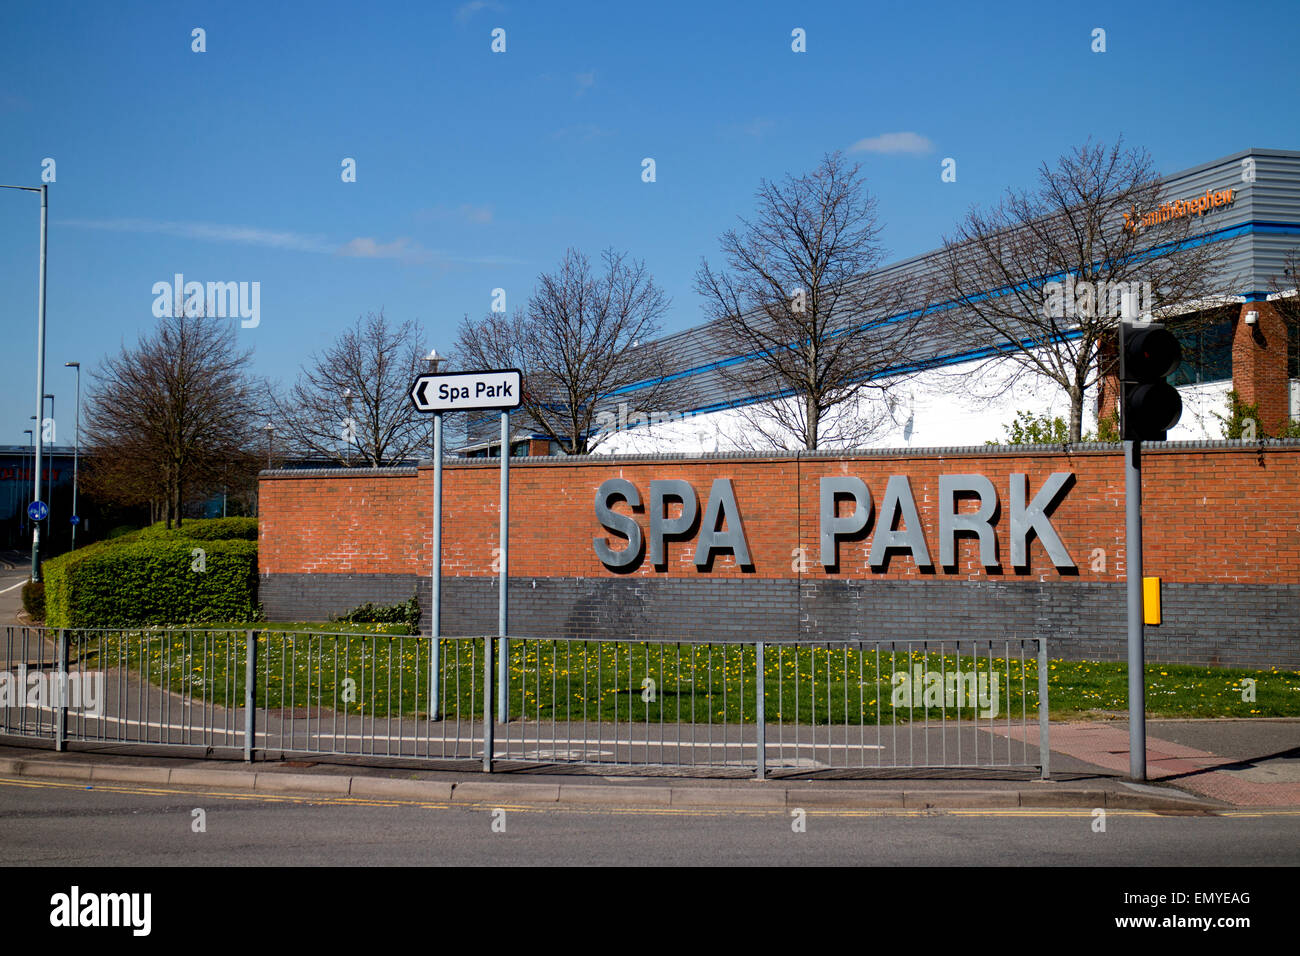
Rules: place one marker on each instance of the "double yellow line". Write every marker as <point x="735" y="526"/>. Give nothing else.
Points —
<point x="339" y="801"/>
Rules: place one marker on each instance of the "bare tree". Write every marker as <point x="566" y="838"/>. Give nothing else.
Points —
<point x="351" y="402"/>
<point x="1287" y="302"/>
<point x="163" y="418"/>
<point x="800" y="303"/>
<point x="585" y="335"/>
<point x="1041" y="274"/>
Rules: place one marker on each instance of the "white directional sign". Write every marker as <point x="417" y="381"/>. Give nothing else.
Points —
<point x="457" y="391"/>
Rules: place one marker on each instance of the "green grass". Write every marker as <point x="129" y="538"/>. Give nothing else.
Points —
<point x="605" y="681"/>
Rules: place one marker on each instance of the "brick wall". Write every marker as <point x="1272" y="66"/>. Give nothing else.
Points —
<point x="1259" y="367"/>
<point x="1222" y="530"/>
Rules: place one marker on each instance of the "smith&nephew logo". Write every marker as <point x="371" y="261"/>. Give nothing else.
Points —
<point x="1197" y="206"/>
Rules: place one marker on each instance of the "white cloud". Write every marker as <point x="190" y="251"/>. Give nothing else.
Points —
<point x="756" y="128"/>
<point x="402" y="249"/>
<point x="465" y="12"/>
<point x="217" y="232"/>
<point x="893" y="143"/>
<point x="366" y="247"/>
<point x="585" y="81"/>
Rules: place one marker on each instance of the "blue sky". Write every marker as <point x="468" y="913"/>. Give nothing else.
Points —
<point x="476" y="170"/>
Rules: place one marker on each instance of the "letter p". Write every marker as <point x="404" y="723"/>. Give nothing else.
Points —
<point x="833" y="527"/>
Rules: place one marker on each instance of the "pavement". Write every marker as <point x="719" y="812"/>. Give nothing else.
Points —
<point x="348" y="777"/>
<point x="1194" y="766"/>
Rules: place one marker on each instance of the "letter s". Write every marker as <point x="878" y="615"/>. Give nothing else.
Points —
<point x="625" y="525"/>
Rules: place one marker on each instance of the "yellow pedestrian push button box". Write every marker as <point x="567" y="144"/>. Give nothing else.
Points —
<point x="1151" y="600"/>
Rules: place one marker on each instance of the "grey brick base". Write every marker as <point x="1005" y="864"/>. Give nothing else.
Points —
<point x="1218" y="624"/>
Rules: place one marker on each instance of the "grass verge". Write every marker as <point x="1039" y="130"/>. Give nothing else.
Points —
<point x="367" y="669"/>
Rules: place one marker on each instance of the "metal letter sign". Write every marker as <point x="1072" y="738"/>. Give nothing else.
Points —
<point x="460" y="391"/>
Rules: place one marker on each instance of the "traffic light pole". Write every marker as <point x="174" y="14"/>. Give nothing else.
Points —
<point x="1137" y="717"/>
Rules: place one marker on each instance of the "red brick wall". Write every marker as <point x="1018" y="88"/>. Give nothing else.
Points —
<point x="1259" y="372"/>
<point x="1216" y="515"/>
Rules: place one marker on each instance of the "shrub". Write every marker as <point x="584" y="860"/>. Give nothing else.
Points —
<point x="1242" y="421"/>
<point x="408" y="613"/>
<point x="34" y="600"/>
<point x="1031" y="429"/>
<point x="1108" y="428"/>
<point x="202" y="572"/>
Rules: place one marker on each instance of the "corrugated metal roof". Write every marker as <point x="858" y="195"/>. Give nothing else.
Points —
<point x="1259" y="227"/>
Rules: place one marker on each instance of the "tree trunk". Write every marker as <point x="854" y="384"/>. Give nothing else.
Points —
<point x="812" y="425"/>
<point x="1076" y="413"/>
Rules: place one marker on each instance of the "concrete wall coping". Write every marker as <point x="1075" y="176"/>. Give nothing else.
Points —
<point x="954" y="451"/>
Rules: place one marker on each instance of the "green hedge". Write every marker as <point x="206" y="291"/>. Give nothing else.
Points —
<point x="206" y="529"/>
<point x="34" y="600"/>
<point x="158" y="576"/>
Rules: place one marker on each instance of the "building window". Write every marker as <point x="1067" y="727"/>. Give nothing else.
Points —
<point x="1207" y="348"/>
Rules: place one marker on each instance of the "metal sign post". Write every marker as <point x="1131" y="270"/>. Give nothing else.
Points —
<point x="499" y="390"/>
<point x="435" y="598"/>
<point x="503" y="648"/>
<point x="1137" y="691"/>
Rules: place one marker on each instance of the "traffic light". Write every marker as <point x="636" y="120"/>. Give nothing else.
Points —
<point x="1150" y="406"/>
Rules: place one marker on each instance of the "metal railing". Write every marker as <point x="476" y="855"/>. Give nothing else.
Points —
<point x="719" y="707"/>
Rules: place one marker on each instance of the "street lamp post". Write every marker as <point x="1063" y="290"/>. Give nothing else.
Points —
<point x="76" y="453"/>
<point x="36" y="431"/>
<point x="21" y="510"/>
<point x="44" y="190"/>
<point x="268" y="428"/>
<point x="49" y="469"/>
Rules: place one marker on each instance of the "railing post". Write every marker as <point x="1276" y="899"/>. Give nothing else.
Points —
<point x="61" y="692"/>
<point x="760" y="711"/>
<point x="1044" y="748"/>
<point x="250" y="694"/>
<point x="487" y="704"/>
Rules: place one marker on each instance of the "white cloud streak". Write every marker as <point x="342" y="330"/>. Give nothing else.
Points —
<point x="402" y="249"/>
<point x="906" y="142"/>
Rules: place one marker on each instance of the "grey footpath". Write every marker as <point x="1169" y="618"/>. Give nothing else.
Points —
<point x="752" y="795"/>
